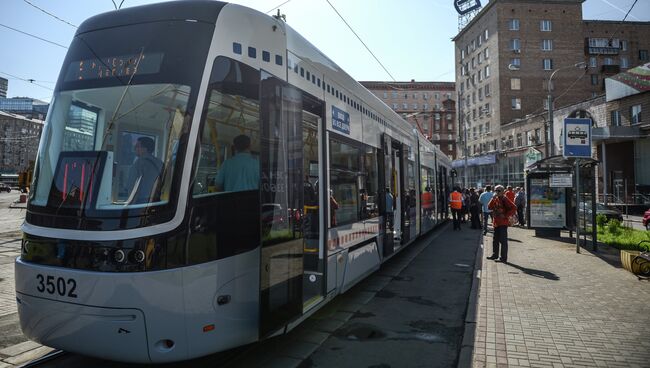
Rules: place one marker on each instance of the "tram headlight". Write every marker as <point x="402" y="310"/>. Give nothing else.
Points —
<point x="138" y="256"/>
<point x="119" y="256"/>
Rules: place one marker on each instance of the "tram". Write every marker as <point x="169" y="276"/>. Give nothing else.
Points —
<point x="207" y="178"/>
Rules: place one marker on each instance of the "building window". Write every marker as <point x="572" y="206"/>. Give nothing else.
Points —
<point x="462" y="54"/>
<point x="436" y="96"/>
<point x="394" y="94"/>
<point x="623" y="45"/>
<point x="487" y="90"/>
<point x="615" y="118"/>
<point x="405" y="106"/>
<point x="395" y="106"/>
<point x="480" y="75"/>
<point x="516" y="103"/>
<point x="625" y="63"/>
<point x="487" y="109"/>
<point x="520" y="141"/>
<point x="426" y="106"/>
<point x="643" y="55"/>
<point x="415" y="106"/>
<point x="547" y="45"/>
<point x="473" y="63"/>
<point x="609" y="61"/>
<point x="480" y="94"/>
<point x="515" y="84"/>
<point x="545" y="26"/>
<point x="593" y="62"/>
<point x="513" y="24"/>
<point x="635" y="114"/>
<point x="415" y="96"/>
<point x="537" y="135"/>
<point x="515" y="44"/>
<point x="486" y="34"/>
<point x="425" y="96"/>
<point x="479" y="41"/>
<point x="547" y="64"/>
<point x="515" y="62"/>
<point x="480" y="57"/>
<point x="486" y="54"/>
<point x="385" y="94"/>
<point x="594" y="79"/>
<point x="487" y="71"/>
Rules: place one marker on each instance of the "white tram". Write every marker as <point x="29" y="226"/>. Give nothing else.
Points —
<point x="150" y="237"/>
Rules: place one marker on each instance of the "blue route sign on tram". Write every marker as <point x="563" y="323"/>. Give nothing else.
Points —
<point x="577" y="138"/>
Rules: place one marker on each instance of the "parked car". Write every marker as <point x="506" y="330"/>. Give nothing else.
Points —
<point x="5" y="188"/>
<point x="646" y="219"/>
<point x="610" y="212"/>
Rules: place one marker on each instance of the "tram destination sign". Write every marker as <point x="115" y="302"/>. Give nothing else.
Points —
<point x="577" y="137"/>
<point x="340" y="120"/>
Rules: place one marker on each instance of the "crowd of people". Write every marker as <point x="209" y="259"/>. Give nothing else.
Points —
<point x="505" y="206"/>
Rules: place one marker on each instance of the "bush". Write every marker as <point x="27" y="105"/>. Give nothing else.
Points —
<point x="615" y="235"/>
<point x="601" y="220"/>
<point x="614" y="227"/>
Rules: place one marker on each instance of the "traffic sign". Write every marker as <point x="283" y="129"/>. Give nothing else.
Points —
<point x="577" y="137"/>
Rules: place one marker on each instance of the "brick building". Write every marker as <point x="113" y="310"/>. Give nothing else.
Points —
<point x="19" y="137"/>
<point x="428" y="106"/>
<point x="505" y="57"/>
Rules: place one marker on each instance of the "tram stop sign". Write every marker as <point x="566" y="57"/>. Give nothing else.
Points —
<point x="577" y="138"/>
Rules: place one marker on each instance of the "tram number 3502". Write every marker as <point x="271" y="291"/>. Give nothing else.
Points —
<point x="56" y="285"/>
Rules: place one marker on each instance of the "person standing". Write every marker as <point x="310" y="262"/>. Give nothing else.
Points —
<point x="144" y="177"/>
<point x="456" y="205"/>
<point x="510" y="194"/>
<point x="520" y="202"/>
<point x="241" y="171"/>
<point x="502" y="208"/>
<point x="484" y="199"/>
<point x="474" y="209"/>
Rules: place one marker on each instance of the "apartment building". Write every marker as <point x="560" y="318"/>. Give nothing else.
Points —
<point x="428" y="106"/>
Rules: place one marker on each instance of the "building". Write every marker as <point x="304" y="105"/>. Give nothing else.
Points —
<point x="429" y="106"/>
<point x="506" y="56"/>
<point x="4" y="86"/>
<point x="30" y="108"/>
<point x="19" y="137"/>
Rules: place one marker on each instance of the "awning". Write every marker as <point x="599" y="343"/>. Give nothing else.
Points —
<point x="629" y="83"/>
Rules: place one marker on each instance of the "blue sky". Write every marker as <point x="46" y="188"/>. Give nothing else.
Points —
<point x="411" y="38"/>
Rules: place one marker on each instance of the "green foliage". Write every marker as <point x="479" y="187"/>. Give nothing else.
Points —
<point x="620" y="237"/>
<point x="601" y="220"/>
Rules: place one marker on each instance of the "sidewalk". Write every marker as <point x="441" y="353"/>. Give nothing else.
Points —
<point x="552" y="307"/>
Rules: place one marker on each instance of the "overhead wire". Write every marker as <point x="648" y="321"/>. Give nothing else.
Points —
<point x="275" y="7"/>
<point x="50" y="14"/>
<point x="360" y="40"/>
<point x="34" y="36"/>
<point x="32" y="81"/>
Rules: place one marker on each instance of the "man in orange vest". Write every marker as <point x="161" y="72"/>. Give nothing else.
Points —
<point x="456" y="205"/>
<point x="502" y="208"/>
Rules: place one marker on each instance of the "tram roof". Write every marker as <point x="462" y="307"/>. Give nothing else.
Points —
<point x="199" y="10"/>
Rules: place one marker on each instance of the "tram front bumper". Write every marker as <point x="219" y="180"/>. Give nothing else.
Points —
<point x="108" y="333"/>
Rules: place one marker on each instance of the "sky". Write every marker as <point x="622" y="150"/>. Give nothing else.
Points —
<point x="411" y="38"/>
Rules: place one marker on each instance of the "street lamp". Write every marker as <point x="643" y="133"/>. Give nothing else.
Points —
<point x="550" y="102"/>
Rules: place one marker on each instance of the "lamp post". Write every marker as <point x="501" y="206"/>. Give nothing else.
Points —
<point x="550" y="104"/>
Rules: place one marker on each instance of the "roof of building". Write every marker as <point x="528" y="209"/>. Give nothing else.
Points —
<point x="412" y="85"/>
<point x="493" y="2"/>
<point x="628" y="83"/>
<point x="5" y="114"/>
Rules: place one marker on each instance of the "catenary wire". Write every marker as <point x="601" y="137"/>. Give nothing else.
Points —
<point x="32" y="81"/>
<point x="50" y="14"/>
<point x="359" y="38"/>
<point x="275" y="7"/>
<point x="31" y="35"/>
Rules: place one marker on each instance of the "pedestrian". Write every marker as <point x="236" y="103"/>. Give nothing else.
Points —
<point x="334" y="205"/>
<point x="520" y="202"/>
<point x="465" y="209"/>
<point x="143" y="183"/>
<point x="502" y="208"/>
<point x="456" y="205"/>
<point x="474" y="209"/>
<point x="241" y="172"/>
<point x="485" y="199"/>
<point x="510" y="194"/>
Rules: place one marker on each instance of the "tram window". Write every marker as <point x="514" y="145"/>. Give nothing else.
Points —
<point x="295" y="68"/>
<point x="318" y="82"/>
<point x="252" y="52"/>
<point x="278" y="59"/>
<point x="228" y="155"/>
<point x="302" y="71"/>
<point x="266" y="56"/>
<point x="236" y="48"/>
<point x="308" y="75"/>
<point x="354" y="181"/>
<point x="313" y="79"/>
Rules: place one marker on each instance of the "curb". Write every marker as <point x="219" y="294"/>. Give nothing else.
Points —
<point x="467" y="345"/>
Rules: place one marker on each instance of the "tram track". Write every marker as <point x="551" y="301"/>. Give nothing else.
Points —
<point x="49" y="357"/>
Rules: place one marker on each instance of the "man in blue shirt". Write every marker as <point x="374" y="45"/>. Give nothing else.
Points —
<point x="485" y="199"/>
<point x="240" y="172"/>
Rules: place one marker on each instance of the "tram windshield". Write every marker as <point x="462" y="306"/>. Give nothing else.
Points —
<point x="114" y="138"/>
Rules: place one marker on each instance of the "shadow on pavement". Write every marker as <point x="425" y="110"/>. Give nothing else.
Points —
<point x="537" y="273"/>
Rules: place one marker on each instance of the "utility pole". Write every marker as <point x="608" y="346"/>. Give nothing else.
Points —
<point x="550" y="105"/>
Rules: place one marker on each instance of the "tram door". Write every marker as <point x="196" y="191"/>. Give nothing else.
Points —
<point x="291" y="269"/>
<point x="392" y="185"/>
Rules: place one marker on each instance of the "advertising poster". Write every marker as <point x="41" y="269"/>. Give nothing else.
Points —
<point x="547" y="205"/>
